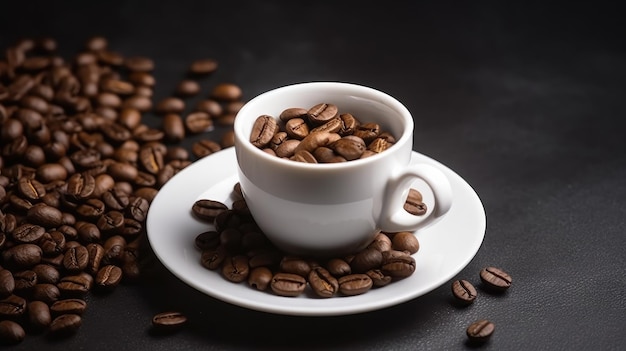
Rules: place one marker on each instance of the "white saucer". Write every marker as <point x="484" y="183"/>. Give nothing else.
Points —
<point x="446" y="247"/>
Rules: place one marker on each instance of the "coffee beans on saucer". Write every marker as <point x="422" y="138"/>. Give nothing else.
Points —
<point x="320" y="134"/>
<point x="241" y="253"/>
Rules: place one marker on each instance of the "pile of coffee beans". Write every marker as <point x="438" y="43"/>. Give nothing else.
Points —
<point x="79" y="168"/>
<point x="494" y="280"/>
<point x="319" y="134"/>
<point x="241" y="252"/>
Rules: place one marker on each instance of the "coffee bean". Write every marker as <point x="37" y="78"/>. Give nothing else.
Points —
<point x="187" y="88"/>
<point x="138" y="208"/>
<point x="22" y="255"/>
<point x="75" y="285"/>
<point x="31" y="189"/>
<point x="366" y="259"/>
<point x="397" y="264"/>
<point x="226" y="92"/>
<point x="405" y="241"/>
<point x="174" y="127"/>
<point x="11" y="332"/>
<point x="288" y="284"/>
<point x="378" y="277"/>
<point x="39" y="316"/>
<point x="12" y="306"/>
<point x="203" y="66"/>
<point x="207" y="210"/>
<point x="7" y="282"/>
<point x="263" y="131"/>
<point x="293" y="112"/>
<point x="65" y="325"/>
<point x="322" y="113"/>
<point x="338" y="267"/>
<point x="80" y="186"/>
<point x="213" y="258"/>
<point x="495" y="279"/>
<point x="349" y="147"/>
<point x="108" y="277"/>
<point x="68" y="306"/>
<point x="414" y="204"/>
<point x="260" y="278"/>
<point x="43" y="215"/>
<point x="207" y="240"/>
<point x="170" y="105"/>
<point x="28" y="233"/>
<point x="355" y="284"/>
<point x="168" y="321"/>
<point x="236" y="268"/>
<point x="46" y="292"/>
<point x="295" y="265"/>
<point x="322" y="282"/>
<point x="463" y="291"/>
<point x="381" y="242"/>
<point x="480" y="331"/>
<point x="76" y="259"/>
<point x="45" y="273"/>
<point x="96" y="254"/>
<point x="205" y="147"/>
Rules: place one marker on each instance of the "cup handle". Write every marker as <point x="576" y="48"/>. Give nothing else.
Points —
<point x="394" y="218"/>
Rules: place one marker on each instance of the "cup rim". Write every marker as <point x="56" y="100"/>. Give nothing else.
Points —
<point x="241" y="141"/>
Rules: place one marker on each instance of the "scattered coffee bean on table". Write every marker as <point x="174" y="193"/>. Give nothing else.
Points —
<point x="167" y="322"/>
<point x="464" y="291"/>
<point x="79" y="169"/>
<point x="480" y="331"/>
<point x="495" y="279"/>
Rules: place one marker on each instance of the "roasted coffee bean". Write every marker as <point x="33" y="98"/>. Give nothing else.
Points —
<point x="414" y="204"/>
<point x="166" y="322"/>
<point x="213" y="258"/>
<point x="49" y="172"/>
<point x="187" y="88"/>
<point x="378" y="277"/>
<point x="288" y="284"/>
<point x="115" y="199"/>
<point x="108" y="277"/>
<point x="39" y="316"/>
<point x="22" y="255"/>
<point x="397" y="264"/>
<point x="226" y="92"/>
<point x="45" y="273"/>
<point x="287" y="148"/>
<point x="65" y="324"/>
<point x="367" y="131"/>
<point x="114" y="249"/>
<point x="338" y="267"/>
<point x="264" y="257"/>
<point x="260" y="278"/>
<point x="68" y="306"/>
<point x="207" y="240"/>
<point x="43" y="215"/>
<point x="263" y="131"/>
<point x="138" y="208"/>
<point x="131" y="228"/>
<point x="96" y="254"/>
<point x="198" y="122"/>
<point x="207" y="210"/>
<point x="46" y="292"/>
<point x="463" y="291"/>
<point x="91" y="209"/>
<point x="480" y="331"/>
<point x="151" y="159"/>
<point x="76" y="259"/>
<point x="11" y="332"/>
<point x="350" y="147"/>
<point x="81" y="186"/>
<point x="303" y="156"/>
<point x="28" y="233"/>
<point x="7" y="282"/>
<point x="139" y="64"/>
<point x="204" y="147"/>
<point x="322" y="282"/>
<point x="295" y="265"/>
<point x="316" y="140"/>
<point x="52" y="243"/>
<point x="294" y="112"/>
<point x="355" y="284"/>
<point x="87" y="232"/>
<point x="495" y="279"/>
<point x="366" y="259"/>
<point x="322" y="113"/>
<point x="31" y="189"/>
<point x="111" y="223"/>
<point x="405" y="241"/>
<point x="203" y="66"/>
<point x="236" y="268"/>
<point x="12" y="306"/>
<point x="75" y="285"/>
<point x="174" y="127"/>
<point x="170" y="105"/>
<point x="297" y="128"/>
<point x="381" y="242"/>
<point x="24" y="281"/>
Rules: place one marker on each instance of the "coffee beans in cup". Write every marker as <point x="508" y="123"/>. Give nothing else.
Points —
<point x="319" y="134"/>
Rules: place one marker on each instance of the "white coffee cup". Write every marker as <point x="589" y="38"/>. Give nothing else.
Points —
<point x="334" y="208"/>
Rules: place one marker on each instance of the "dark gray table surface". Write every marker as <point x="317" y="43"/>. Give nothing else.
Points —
<point x="524" y="100"/>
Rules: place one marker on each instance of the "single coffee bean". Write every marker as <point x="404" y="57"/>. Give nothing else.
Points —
<point x="264" y="257"/>
<point x="174" y="127"/>
<point x="236" y="268"/>
<point x="208" y="210"/>
<point x="75" y="285"/>
<point x="204" y="147"/>
<point x="31" y="189"/>
<point x="76" y="259"/>
<point x="151" y="159"/>
<point x="39" y="316"/>
<point x="414" y="204"/>
<point x="187" y="87"/>
<point x="108" y="277"/>
<point x="203" y="66"/>
<point x="91" y="209"/>
<point x="226" y="92"/>
<point x="46" y="292"/>
<point x="43" y="215"/>
<point x="405" y="241"/>
<point x="260" y="278"/>
<point x="168" y="321"/>
<point x="198" y="122"/>
<point x="322" y="282"/>
<point x="495" y="279"/>
<point x="297" y="128"/>
<point x="52" y="243"/>
<point x="293" y="112"/>
<point x="81" y="186"/>
<point x="367" y="131"/>
<point x="11" y="332"/>
<point x="114" y="248"/>
<point x="322" y="113"/>
<point x="338" y="267"/>
<point x="381" y="242"/>
<point x="45" y="273"/>
<point x="207" y="240"/>
<point x="463" y="291"/>
<point x="7" y="282"/>
<point x="138" y="208"/>
<point x="213" y="258"/>
<point x="68" y="306"/>
<point x="24" y="282"/>
<point x="12" y="306"/>
<point x="397" y="264"/>
<point x="111" y="223"/>
<point x="65" y="324"/>
<point x="288" y="284"/>
<point x="480" y="331"/>
<point x="263" y="131"/>
<point x="378" y="277"/>
<point x="350" y="147"/>
<point x="295" y="265"/>
<point x="170" y="105"/>
<point x="22" y="255"/>
<point x="115" y="199"/>
<point x="355" y="284"/>
<point x="366" y="259"/>
<point x="28" y="233"/>
<point x="96" y="254"/>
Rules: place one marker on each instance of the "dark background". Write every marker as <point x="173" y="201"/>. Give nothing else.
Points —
<point x="525" y="100"/>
